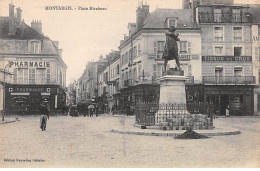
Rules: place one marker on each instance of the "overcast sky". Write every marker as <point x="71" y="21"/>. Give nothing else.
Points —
<point x="85" y="35"/>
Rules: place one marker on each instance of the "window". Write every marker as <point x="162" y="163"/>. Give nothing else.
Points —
<point x="171" y="22"/>
<point x="25" y="76"/>
<point x="159" y="48"/>
<point x="15" y="75"/>
<point x="48" y="76"/>
<point x="139" y="49"/>
<point x="154" y="70"/>
<point x="218" y="50"/>
<point x="238" y="71"/>
<point x="237" y="34"/>
<point x="217" y="15"/>
<point x="218" y="34"/>
<point x="32" y="75"/>
<point x="183" y="47"/>
<point x="117" y="69"/>
<point x="218" y="71"/>
<point x="236" y="15"/>
<point x="135" y="52"/>
<point x="237" y="51"/>
<point x="35" y="46"/>
<point x="258" y="76"/>
<point x="40" y="75"/>
<point x="20" y="76"/>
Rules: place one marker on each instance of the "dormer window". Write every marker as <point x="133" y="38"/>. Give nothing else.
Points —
<point x="34" y="46"/>
<point x="171" y="22"/>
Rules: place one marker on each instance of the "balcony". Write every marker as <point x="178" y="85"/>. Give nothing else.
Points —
<point x="243" y="80"/>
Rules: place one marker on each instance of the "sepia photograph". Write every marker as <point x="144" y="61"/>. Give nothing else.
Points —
<point x="129" y="84"/>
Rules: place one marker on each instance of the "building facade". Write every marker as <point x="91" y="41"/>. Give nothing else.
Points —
<point x="34" y="62"/>
<point x="227" y="68"/>
<point x="141" y="52"/>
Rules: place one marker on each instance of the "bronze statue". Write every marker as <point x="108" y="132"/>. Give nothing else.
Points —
<point x="171" y="48"/>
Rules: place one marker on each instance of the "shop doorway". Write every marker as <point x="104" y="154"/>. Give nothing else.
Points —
<point x="224" y="101"/>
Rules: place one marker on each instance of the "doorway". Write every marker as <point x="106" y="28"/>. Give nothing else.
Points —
<point x="224" y="101"/>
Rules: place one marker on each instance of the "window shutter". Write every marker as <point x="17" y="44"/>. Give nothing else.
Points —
<point x="189" y="47"/>
<point x="154" y="47"/>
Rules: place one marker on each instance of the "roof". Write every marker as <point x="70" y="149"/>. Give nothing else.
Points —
<point x="158" y="17"/>
<point x="26" y="31"/>
<point x="255" y="11"/>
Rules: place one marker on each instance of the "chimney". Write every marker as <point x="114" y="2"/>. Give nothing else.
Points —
<point x="11" y="10"/>
<point x="141" y="15"/>
<point x="186" y="4"/>
<point x="19" y="14"/>
<point x="101" y="57"/>
<point x="37" y="25"/>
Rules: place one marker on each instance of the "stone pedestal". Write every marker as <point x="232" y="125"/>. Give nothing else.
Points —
<point x="172" y="89"/>
<point x="172" y="113"/>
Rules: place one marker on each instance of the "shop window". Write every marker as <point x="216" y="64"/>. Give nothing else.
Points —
<point x="237" y="51"/>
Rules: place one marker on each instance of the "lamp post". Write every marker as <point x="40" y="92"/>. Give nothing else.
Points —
<point x="3" y="112"/>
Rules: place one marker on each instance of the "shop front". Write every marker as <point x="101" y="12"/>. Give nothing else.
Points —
<point x="26" y="99"/>
<point x="238" y="100"/>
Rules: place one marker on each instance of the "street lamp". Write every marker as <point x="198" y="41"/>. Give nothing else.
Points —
<point x="3" y="113"/>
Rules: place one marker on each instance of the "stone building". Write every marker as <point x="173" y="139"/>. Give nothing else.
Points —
<point x="33" y="69"/>
<point x="226" y="55"/>
<point x="108" y="81"/>
<point x="141" y="52"/>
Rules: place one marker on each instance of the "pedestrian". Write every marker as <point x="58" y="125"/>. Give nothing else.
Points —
<point x="128" y="110"/>
<point x="112" y="110"/>
<point x="227" y="111"/>
<point x="44" y="116"/>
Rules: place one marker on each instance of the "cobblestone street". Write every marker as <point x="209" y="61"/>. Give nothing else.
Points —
<point x="88" y="142"/>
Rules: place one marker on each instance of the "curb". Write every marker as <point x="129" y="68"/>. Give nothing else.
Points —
<point x="174" y="134"/>
<point x="6" y="122"/>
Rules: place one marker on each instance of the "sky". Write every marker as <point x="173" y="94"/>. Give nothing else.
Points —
<point x="84" y="35"/>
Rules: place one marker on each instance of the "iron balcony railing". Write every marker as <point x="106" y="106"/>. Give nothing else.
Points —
<point x="229" y="80"/>
<point x="154" y="81"/>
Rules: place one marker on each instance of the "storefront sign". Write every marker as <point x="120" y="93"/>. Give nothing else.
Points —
<point x="187" y="57"/>
<point x="29" y="64"/>
<point x="18" y="89"/>
<point x="227" y="58"/>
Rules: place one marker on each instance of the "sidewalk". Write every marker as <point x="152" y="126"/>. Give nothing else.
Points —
<point x="9" y="120"/>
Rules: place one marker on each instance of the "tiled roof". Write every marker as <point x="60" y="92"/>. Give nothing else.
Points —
<point x="26" y="31"/>
<point x="158" y="17"/>
<point x="255" y="11"/>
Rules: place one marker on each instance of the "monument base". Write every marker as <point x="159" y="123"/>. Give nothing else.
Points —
<point x="173" y="113"/>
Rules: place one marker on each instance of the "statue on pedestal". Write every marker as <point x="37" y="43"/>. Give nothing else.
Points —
<point x="171" y="49"/>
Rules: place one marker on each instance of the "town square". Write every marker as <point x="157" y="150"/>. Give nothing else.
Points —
<point x="130" y="84"/>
